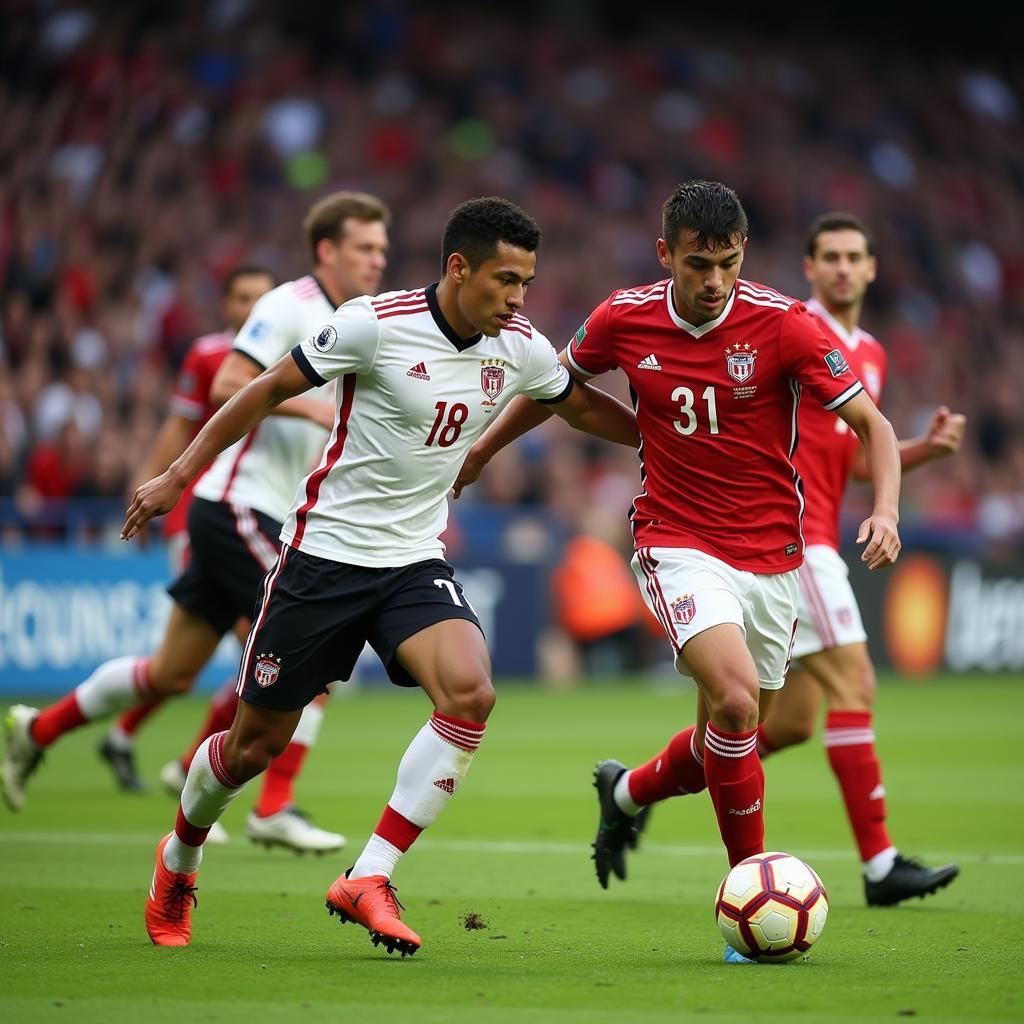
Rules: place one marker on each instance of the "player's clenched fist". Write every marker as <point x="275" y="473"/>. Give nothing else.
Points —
<point x="946" y="431"/>
<point x="153" y="498"/>
<point x="883" y="541"/>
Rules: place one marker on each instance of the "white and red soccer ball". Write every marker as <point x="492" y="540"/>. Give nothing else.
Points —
<point x="771" y="907"/>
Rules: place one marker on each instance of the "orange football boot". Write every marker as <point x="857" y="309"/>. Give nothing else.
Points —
<point x="372" y="903"/>
<point x="169" y="906"/>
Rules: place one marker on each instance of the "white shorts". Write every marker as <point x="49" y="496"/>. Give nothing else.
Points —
<point x="689" y="591"/>
<point x="827" y="609"/>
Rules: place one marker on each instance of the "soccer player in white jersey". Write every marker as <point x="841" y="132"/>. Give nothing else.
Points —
<point x="236" y="514"/>
<point x="830" y="655"/>
<point x="420" y="374"/>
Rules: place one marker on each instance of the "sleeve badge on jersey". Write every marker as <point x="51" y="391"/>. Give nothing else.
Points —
<point x="684" y="608"/>
<point x="836" y="363"/>
<point x="267" y="669"/>
<point x="740" y="361"/>
<point x="325" y="340"/>
<point x="577" y="338"/>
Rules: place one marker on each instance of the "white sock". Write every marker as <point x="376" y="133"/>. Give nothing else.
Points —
<point x="621" y="795"/>
<point x="880" y="865"/>
<point x="432" y="768"/>
<point x="119" y="739"/>
<point x="308" y="728"/>
<point x="114" y="686"/>
<point x="208" y="791"/>
<point x="379" y="857"/>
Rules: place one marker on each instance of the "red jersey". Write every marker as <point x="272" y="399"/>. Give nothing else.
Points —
<point x="191" y="400"/>
<point x="827" y="445"/>
<point x="716" y="406"/>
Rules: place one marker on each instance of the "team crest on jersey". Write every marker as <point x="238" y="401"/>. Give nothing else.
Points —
<point x="684" y="608"/>
<point x="740" y="361"/>
<point x="492" y="378"/>
<point x="267" y="669"/>
<point x="325" y="340"/>
<point x="836" y="363"/>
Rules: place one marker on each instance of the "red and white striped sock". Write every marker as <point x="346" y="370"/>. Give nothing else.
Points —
<point x="431" y="770"/>
<point x="677" y="770"/>
<point x="208" y="790"/>
<point x="736" y="783"/>
<point x="850" y="746"/>
<point x="114" y="685"/>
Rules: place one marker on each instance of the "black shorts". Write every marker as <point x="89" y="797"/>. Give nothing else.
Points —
<point x="315" y="616"/>
<point x="232" y="549"/>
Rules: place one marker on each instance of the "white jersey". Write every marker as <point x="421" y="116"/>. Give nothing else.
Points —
<point x="262" y="470"/>
<point x="412" y="398"/>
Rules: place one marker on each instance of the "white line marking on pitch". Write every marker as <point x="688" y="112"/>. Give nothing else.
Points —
<point x="504" y="846"/>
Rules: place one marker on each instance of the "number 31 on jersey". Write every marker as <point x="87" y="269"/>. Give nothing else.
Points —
<point x="685" y="398"/>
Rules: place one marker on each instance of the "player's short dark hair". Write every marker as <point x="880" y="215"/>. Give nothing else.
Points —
<point x="710" y="209"/>
<point x="327" y="218"/>
<point x="245" y="270"/>
<point x="837" y="222"/>
<point x="477" y="226"/>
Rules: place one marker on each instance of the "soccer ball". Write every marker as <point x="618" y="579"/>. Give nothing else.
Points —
<point x="771" y="907"/>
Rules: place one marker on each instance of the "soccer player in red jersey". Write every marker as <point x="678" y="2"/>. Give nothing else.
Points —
<point x="831" y="660"/>
<point x="717" y="367"/>
<point x="190" y="408"/>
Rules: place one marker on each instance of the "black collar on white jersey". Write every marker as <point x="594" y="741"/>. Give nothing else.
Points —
<point x="320" y="285"/>
<point x="443" y="326"/>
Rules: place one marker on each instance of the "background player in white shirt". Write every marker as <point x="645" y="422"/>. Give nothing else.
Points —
<point x="420" y="375"/>
<point x="236" y="514"/>
<point x="830" y="655"/>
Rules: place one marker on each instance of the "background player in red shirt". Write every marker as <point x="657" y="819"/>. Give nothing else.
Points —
<point x="716" y="366"/>
<point x="831" y="656"/>
<point x="190" y="407"/>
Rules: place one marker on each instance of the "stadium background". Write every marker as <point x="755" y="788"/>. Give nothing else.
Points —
<point x="146" y="150"/>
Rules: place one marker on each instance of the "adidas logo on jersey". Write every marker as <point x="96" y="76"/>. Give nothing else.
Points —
<point x="650" y="363"/>
<point x="419" y="371"/>
<point x="448" y="785"/>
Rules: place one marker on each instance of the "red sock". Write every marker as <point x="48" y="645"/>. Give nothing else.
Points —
<point x="398" y="830"/>
<point x="130" y="721"/>
<point x="219" y="716"/>
<point x="736" y="783"/>
<point x="56" y="720"/>
<point x="764" y="744"/>
<point x="850" y="745"/>
<point x="677" y="769"/>
<point x="279" y="780"/>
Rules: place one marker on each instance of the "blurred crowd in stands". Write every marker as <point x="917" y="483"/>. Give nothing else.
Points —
<point x="147" y="149"/>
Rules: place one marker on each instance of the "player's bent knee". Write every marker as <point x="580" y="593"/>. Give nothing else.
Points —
<point x="735" y="711"/>
<point x="470" y="698"/>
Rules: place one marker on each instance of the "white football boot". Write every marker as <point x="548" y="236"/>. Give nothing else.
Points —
<point x="292" y="828"/>
<point x="22" y="756"/>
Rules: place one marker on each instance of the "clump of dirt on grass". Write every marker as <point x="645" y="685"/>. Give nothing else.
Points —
<point x="473" y="922"/>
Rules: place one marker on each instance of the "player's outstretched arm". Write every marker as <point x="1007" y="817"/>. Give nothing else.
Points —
<point x="595" y="412"/>
<point x="232" y="421"/>
<point x="944" y="436"/>
<point x="879" y="530"/>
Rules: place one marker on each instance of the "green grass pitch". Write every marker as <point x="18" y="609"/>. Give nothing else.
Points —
<point x="513" y="848"/>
